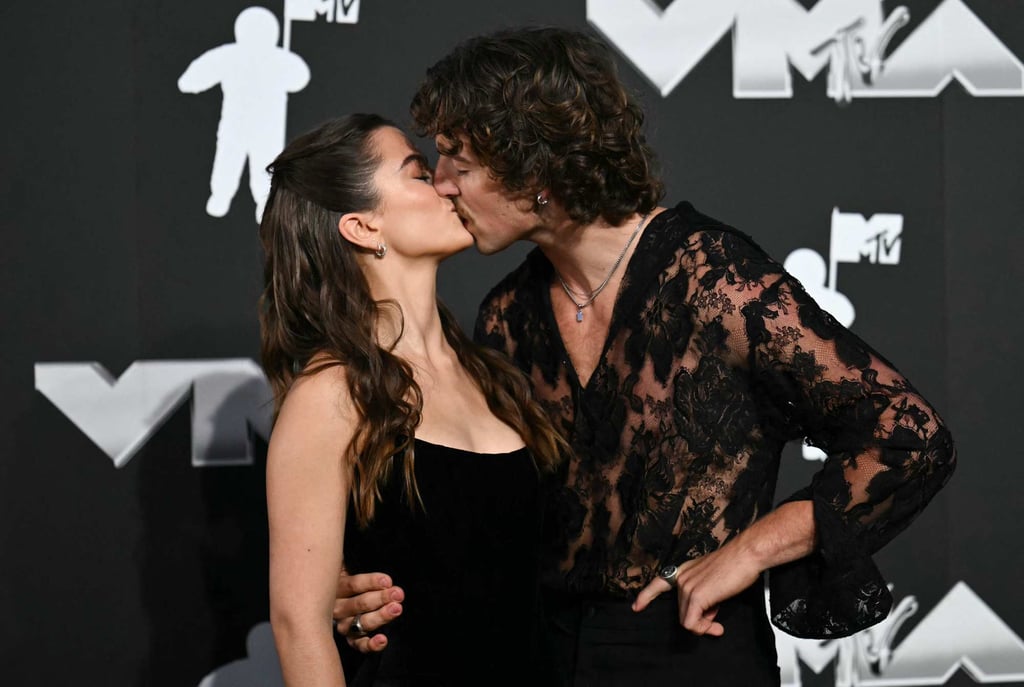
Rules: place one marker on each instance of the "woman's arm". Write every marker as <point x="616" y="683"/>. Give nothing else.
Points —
<point x="307" y="496"/>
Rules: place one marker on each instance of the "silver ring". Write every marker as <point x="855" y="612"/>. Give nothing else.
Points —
<point x="356" y="630"/>
<point x="669" y="573"/>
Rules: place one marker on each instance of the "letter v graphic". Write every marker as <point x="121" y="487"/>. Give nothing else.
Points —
<point x="346" y="6"/>
<point x="663" y="44"/>
<point x="120" y="415"/>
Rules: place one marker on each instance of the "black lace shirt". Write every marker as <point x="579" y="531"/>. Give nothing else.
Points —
<point x="715" y="358"/>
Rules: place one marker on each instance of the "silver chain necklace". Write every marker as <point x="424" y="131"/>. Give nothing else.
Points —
<point x="587" y="299"/>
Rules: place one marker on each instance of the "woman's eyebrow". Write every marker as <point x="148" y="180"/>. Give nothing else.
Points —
<point x="415" y="157"/>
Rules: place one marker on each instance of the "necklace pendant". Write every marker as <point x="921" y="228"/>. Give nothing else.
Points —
<point x="579" y="314"/>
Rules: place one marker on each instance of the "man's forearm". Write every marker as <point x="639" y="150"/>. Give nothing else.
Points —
<point x="786" y="534"/>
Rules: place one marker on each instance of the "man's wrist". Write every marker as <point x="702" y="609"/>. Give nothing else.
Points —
<point x="755" y="553"/>
<point x="783" y="535"/>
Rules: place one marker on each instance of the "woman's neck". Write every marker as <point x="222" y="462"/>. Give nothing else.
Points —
<point x="417" y="327"/>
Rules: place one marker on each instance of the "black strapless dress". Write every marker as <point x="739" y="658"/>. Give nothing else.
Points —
<point x="468" y="562"/>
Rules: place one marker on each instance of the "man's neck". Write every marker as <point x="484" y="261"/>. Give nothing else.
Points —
<point x="584" y="254"/>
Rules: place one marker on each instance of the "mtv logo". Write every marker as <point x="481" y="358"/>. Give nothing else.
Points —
<point x="231" y="400"/>
<point x="854" y="238"/>
<point x="336" y="11"/>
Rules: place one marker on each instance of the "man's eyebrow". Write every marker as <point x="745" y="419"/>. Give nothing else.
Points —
<point x="415" y="157"/>
<point x="456" y="155"/>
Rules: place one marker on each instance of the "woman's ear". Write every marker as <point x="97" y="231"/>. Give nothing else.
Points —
<point x="357" y="228"/>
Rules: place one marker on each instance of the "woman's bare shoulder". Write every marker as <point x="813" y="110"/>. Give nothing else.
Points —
<point x="318" y="408"/>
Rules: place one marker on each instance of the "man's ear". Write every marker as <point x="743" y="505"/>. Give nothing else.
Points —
<point x="357" y="228"/>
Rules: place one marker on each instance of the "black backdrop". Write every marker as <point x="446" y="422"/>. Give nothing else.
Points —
<point x="153" y="573"/>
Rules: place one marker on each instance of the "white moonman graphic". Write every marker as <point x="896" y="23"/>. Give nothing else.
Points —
<point x="255" y="76"/>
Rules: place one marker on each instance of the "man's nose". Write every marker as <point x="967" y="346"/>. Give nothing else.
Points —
<point x="444" y="179"/>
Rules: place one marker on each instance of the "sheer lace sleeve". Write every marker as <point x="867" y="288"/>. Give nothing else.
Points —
<point x="889" y="452"/>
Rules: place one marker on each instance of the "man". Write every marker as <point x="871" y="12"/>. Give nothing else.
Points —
<point x="678" y="359"/>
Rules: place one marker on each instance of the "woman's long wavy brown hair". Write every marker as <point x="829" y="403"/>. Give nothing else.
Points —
<point x="317" y="312"/>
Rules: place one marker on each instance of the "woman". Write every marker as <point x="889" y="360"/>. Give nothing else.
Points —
<point x="399" y="444"/>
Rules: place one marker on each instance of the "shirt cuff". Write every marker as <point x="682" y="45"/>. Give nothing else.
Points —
<point x="835" y="591"/>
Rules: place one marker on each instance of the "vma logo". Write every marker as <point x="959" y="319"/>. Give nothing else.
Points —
<point x="960" y="633"/>
<point x="231" y="400"/>
<point x="850" y="37"/>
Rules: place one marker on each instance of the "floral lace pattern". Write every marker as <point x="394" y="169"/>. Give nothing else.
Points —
<point x="715" y="358"/>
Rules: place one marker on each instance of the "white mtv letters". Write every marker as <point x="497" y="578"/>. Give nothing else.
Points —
<point x="850" y="36"/>
<point x="230" y="399"/>
<point x="961" y="632"/>
<point x="878" y="240"/>
<point x="339" y="11"/>
<point x="255" y="77"/>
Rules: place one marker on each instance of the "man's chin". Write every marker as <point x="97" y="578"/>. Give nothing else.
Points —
<point x="482" y="250"/>
<point x="485" y="248"/>
<point x="456" y="251"/>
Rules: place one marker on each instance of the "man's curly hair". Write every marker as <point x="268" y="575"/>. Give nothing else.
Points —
<point x="543" y="108"/>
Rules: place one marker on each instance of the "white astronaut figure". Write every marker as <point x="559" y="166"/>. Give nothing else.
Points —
<point x="256" y="77"/>
<point x="809" y="267"/>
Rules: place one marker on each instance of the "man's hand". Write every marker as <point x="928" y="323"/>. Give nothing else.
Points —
<point x="376" y="601"/>
<point x="785" y="534"/>
<point x="704" y="583"/>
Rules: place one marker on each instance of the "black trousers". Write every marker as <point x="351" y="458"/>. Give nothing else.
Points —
<point x="603" y="643"/>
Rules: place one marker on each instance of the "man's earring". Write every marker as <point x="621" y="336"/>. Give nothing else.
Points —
<point x="381" y="251"/>
<point x="542" y="199"/>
